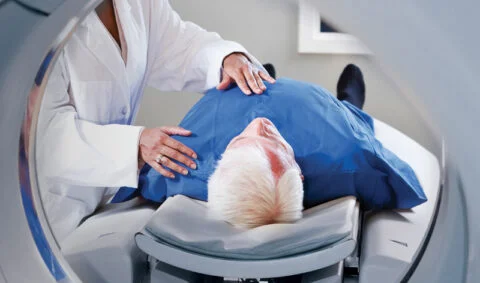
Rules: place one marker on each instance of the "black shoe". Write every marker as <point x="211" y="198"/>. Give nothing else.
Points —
<point x="271" y="70"/>
<point x="351" y="86"/>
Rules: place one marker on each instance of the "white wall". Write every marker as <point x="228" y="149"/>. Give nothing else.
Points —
<point x="268" y="29"/>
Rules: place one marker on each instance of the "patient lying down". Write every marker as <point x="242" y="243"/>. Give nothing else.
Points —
<point x="268" y="189"/>
<point x="263" y="158"/>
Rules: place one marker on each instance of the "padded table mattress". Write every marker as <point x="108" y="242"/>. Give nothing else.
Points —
<point x="186" y="224"/>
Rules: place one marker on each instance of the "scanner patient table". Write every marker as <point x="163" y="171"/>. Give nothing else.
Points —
<point x="180" y="241"/>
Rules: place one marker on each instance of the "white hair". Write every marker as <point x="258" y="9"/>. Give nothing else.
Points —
<point x="242" y="190"/>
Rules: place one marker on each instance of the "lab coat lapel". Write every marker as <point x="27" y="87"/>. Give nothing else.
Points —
<point x="99" y="42"/>
<point x="135" y="38"/>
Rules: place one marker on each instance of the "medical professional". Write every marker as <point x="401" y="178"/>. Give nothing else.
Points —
<point x="86" y="145"/>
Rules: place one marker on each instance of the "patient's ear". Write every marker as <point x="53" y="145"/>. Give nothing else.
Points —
<point x="302" y="177"/>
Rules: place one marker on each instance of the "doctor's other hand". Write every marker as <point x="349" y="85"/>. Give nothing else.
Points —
<point x="238" y="69"/>
<point x="158" y="149"/>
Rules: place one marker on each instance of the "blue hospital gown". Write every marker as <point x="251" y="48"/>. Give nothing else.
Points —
<point x="333" y="141"/>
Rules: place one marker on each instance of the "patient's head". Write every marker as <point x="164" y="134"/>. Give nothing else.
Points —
<point x="257" y="180"/>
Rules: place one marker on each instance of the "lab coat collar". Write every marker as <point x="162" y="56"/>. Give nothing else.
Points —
<point x="88" y="21"/>
<point x="121" y="6"/>
<point x="100" y="43"/>
<point x="96" y="39"/>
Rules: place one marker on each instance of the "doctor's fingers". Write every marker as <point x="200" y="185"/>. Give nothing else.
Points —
<point x="226" y="81"/>
<point x="159" y="168"/>
<point x="266" y="77"/>
<point x="241" y="82"/>
<point x="252" y="81"/>
<point x="175" y="130"/>
<point x="178" y="146"/>
<point x="167" y="162"/>
<point x="178" y="156"/>
<point x="259" y="80"/>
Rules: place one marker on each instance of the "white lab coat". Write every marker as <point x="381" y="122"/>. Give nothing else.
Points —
<point x="86" y="146"/>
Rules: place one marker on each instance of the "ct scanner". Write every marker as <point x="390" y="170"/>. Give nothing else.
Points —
<point x="429" y="46"/>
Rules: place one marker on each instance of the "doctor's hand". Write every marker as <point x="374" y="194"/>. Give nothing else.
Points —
<point x="238" y="69"/>
<point x="158" y="149"/>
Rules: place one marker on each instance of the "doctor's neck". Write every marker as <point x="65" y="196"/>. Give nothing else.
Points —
<point x="106" y="13"/>
<point x="104" y="5"/>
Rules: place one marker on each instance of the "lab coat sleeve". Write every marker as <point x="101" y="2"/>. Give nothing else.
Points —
<point x="183" y="56"/>
<point x="77" y="152"/>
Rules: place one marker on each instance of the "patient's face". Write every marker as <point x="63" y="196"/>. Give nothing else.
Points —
<point x="263" y="132"/>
